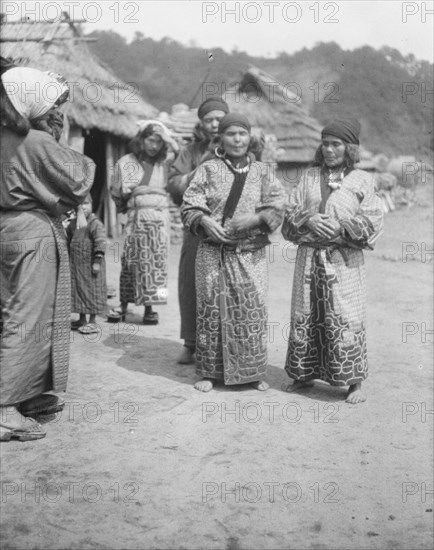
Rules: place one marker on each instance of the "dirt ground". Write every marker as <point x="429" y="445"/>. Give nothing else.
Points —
<point x="140" y="460"/>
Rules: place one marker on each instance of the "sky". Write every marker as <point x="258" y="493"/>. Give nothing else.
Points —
<point x="260" y="28"/>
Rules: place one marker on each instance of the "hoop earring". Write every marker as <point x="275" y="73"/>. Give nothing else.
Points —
<point x="219" y="153"/>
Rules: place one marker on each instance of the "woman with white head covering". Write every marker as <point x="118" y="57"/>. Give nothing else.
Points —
<point x="40" y="181"/>
<point x="139" y="190"/>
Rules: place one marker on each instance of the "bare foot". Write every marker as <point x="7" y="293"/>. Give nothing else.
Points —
<point x="355" y="394"/>
<point x="299" y="385"/>
<point x="204" y="385"/>
<point x="261" y="385"/>
<point x="186" y="356"/>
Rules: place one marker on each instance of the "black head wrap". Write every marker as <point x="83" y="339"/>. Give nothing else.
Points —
<point x="234" y="119"/>
<point x="212" y="104"/>
<point x="347" y="130"/>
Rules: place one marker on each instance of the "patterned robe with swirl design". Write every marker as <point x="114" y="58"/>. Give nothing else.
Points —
<point x="328" y="319"/>
<point x="144" y="263"/>
<point x="231" y="283"/>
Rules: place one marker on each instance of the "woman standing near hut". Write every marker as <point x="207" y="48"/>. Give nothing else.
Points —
<point x="40" y="181"/>
<point x="333" y="215"/>
<point x="232" y="204"/>
<point x="139" y="189"/>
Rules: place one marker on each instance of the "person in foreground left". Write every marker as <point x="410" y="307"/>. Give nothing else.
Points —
<point x="40" y="181"/>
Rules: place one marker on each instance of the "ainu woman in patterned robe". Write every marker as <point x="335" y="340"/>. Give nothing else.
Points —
<point x="41" y="180"/>
<point x="139" y="190"/>
<point x="333" y="215"/>
<point x="232" y="203"/>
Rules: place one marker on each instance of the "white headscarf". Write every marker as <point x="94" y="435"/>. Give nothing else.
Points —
<point x="143" y="124"/>
<point x="33" y="92"/>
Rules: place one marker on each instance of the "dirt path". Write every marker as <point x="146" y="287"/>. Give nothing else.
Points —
<point x="140" y="460"/>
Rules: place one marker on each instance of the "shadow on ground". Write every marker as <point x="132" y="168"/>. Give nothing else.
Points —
<point x="157" y="357"/>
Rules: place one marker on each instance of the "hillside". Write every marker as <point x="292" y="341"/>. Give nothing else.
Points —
<point x="387" y="92"/>
<point x="381" y="88"/>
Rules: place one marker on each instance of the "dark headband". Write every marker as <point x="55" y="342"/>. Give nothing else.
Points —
<point x="347" y="130"/>
<point x="234" y="119"/>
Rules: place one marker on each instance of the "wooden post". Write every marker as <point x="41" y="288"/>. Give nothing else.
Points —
<point x="109" y="205"/>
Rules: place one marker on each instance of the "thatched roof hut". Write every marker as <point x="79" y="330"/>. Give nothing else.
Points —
<point x="99" y="99"/>
<point x="276" y="110"/>
<point x="103" y="111"/>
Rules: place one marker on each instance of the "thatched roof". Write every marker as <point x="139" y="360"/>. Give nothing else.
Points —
<point x="99" y="99"/>
<point x="274" y="108"/>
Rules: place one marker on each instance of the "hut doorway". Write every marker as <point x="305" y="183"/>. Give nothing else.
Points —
<point x="95" y="147"/>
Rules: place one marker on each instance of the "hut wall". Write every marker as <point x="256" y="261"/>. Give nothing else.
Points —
<point x="111" y="224"/>
<point x="94" y="148"/>
<point x="115" y="149"/>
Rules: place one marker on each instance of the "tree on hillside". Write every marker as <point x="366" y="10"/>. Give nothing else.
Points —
<point x="388" y="92"/>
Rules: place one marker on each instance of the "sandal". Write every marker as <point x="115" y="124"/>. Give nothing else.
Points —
<point x="75" y="325"/>
<point x="116" y="315"/>
<point x="90" y="328"/>
<point x="28" y="431"/>
<point x="44" y="404"/>
<point x="150" y="318"/>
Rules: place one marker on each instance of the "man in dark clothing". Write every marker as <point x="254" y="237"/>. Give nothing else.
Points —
<point x="181" y="173"/>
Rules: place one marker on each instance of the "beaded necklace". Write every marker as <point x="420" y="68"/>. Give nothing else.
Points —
<point x="225" y="159"/>
<point x="334" y="178"/>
